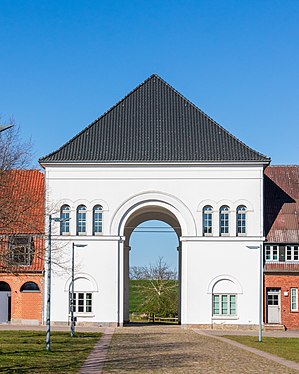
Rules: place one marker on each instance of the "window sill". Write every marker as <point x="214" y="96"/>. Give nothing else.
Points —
<point x="97" y="233"/>
<point x="224" y="318"/>
<point x="65" y="233"/>
<point x="83" y="314"/>
<point x="81" y="233"/>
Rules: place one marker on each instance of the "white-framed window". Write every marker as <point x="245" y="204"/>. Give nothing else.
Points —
<point x="82" y="302"/>
<point x="271" y="253"/>
<point x="294" y="299"/>
<point x="81" y="219"/>
<point x="21" y="250"/>
<point x="224" y="305"/>
<point x="65" y="216"/>
<point x="241" y="220"/>
<point x="97" y="219"/>
<point x="292" y="253"/>
<point x="207" y="219"/>
<point x="224" y="220"/>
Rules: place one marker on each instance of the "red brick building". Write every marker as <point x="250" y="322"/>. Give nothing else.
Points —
<point x="281" y="249"/>
<point x="21" y="246"/>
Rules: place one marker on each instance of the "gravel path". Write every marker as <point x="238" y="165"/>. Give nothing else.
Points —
<point x="171" y="349"/>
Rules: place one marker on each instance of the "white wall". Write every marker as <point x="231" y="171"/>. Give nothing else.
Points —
<point x="182" y="189"/>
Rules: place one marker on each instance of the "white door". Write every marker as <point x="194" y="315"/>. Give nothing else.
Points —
<point x="4" y="306"/>
<point x="273" y="305"/>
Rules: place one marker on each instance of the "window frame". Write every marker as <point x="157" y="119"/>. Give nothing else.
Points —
<point x="25" y="248"/>
<point x="97" y="209"/>
<point x="224" y="221"/>
<point x="81" y="212"/>
<point x="221" y="297"/>
<point x="65" y="212"/>
<point x="294" y="309"/>
<point x="270" y="249"/>
<point x="242" y="212"/>
<point x="294" y="253"/>
<point x="207" y="220"/>
<point x="84" y="305"/>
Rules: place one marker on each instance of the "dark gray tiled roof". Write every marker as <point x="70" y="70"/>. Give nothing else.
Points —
<point x="154" y="123"/>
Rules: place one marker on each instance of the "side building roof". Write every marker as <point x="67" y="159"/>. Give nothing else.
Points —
<point x="154" y="123"/>
<point x="22" y="201"/>
<point x="281" y="210"/>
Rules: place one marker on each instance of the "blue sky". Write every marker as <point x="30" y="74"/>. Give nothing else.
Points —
<point x="64" y="63"/>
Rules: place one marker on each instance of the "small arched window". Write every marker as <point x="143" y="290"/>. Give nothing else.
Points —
<point x="97" y="220"/>
<point x="224" y="220"/>
<point x="207" y="220"/>
<point x="65" y="223"/>
<point x="29" y="287"/>
<point x="4" y="287"/>
<point x="241" y="220"/>
<point x="81" y="219"/>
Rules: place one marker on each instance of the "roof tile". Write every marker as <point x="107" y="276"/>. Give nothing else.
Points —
<point x="154" y="123"/>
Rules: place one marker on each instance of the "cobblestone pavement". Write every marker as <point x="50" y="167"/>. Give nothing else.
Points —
<point x="171" y="349"/>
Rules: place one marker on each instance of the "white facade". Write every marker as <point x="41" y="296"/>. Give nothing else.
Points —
<point x="176" y="193"/>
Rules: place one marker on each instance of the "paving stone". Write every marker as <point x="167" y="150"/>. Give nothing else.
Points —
<point x="172" y="349"/>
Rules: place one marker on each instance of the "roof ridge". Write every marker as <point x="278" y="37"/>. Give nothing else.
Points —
<point x="284" y="165"/>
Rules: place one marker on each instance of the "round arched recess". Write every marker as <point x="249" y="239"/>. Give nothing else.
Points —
<point x="225" y="278"/>
<point x="153" y="205"/>
<point x="80" y="279"/>
<point x="29" y="287"/>
<point x="4" y="287"/>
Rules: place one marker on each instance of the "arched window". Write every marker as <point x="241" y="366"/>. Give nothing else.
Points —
<point x="224" y="220"/>
<point x="82" y="298"/>
<point x="224" y="299"/>
<point x="81" y="220"/>
<point x="29" y="287"/>
<point x="4" y="287"/>
<point x="241" y="220"/>
<point x="65" y="224"/>
<point x="97" y="220"/>
<point x="207" y="220"/>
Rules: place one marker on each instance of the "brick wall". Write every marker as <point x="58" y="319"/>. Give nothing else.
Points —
<point x="26" y="307"/>
<point x="285" y="282"/>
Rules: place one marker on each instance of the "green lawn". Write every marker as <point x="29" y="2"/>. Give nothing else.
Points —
<point x="136" y="296"/>
<point x="287" y="348"/>
<point x="25" y="352"/>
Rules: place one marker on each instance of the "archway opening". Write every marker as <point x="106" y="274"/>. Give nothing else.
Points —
<point x="5" y="302"/>
<point x="152" y="267"/>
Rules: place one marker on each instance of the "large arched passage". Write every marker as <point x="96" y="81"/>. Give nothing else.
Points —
<point x="143" y="214"/>
<point x="150" y="205"/>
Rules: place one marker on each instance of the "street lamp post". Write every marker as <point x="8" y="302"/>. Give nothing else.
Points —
<point x="261" y="293"/>
<point x="48" y="311"/>
<point x="73" y="286"/>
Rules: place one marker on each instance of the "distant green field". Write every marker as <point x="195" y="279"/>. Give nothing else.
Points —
<point x="136" y="299"/>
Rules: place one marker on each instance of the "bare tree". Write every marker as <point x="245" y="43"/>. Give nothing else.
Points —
<point x="158" y="288"/>
<point x="21" y="204"/>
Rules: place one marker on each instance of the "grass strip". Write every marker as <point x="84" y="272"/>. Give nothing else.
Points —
<point x="25" y="351"/>
<point x="287" y="348"/>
